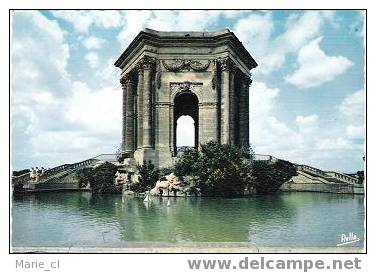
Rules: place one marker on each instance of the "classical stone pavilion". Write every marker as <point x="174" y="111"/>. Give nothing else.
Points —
<point x="165" y="75"/>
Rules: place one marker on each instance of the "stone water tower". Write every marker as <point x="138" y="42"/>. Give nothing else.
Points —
<point x="165" y="75"/>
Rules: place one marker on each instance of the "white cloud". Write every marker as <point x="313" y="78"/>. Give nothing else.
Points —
<point x="303" y="28"/>
<point x="135" y="21"/>
<point x="82" y="20"/>
<point x="55" y="119"/>
<point x="93" y="42"/>
<point x="307" y="125"/>
<point x="355" y="132"/>
<point x="256" y="33"/>
<point x="266" y="131"/>
<point x="98" y="112"/>
<point x="108" y="74"/>
<point x="307" y="141"/>
<point x="338" y="143"/>
<point x="255" y="30"/>
<point x="37" y="51"/>
<point x="352" y="107"/>
<point x="92" y="58"/>
<point x="307" y="121"/>
<point x="169" y="20"/>
<point x="315" y="67"/>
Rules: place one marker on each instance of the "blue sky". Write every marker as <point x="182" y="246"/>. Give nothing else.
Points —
<point x="306" y="99"/>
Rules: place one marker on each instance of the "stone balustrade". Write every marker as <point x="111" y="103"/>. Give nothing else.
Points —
<point x="26" y="178"/>
<point x="343" y="177"/>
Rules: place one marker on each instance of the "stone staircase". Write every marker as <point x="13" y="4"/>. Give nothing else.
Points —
<point x="315" y="180"/>
<point x="60" y="177"/>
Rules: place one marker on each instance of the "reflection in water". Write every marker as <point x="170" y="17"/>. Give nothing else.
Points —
<point x="288" y="219"/>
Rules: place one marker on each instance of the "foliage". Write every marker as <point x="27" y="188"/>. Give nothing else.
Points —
<point x="187" y="163"/>
<point x="267" y="177"/>
<point x="222" y="170"/>
<point x="148" y="176"/>
<point x="120" y="156"/>
<point x="218" y="170"/>
<point x="84" y="176"/>
<point x="21" y="172"/>
<point x="165" y="171"/>
<point x="101" y="178"/>
<point x="18" y="188"/>
<point x="360" y="177"/>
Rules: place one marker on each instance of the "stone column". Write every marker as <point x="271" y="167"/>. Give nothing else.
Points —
<point x="128" y="114"/>
<point x="123" y="82"/>
<point x="216" y="109"/>
<point x="226" y="66"/>
<point x="140" y="109"/>
<point x="148" y="66"/>
<point x="172" y="129"/>
<point x="130" y="132"/>
<point x="233" y="107"/>
<point x="244" y="112"/>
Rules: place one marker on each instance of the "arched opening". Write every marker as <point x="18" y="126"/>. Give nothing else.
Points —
<point x="185" y="132"/>
<point x="186" y="111"/>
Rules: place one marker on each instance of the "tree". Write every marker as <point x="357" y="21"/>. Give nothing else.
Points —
<point x="21" y="172"/>
<point x="148" y="176"/>
<point x="267" y="177"/>
<point x="101" y="178"/>
<point x="218" y="170"/>
<point x="187" y="163"/>
<point x="222" y="170"/>
<point x="84" y="176"/>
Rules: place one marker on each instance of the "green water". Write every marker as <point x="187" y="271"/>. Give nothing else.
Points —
<point x="83" y="219"/>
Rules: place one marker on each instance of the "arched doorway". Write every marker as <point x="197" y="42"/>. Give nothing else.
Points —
<point x="186" y="104"/>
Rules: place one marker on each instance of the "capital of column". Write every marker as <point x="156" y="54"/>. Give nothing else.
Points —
<point x="146" y="62"/>
<point x="226" y="64"/>
<point x="246" y="80"/>
<point x="125" y="80"/>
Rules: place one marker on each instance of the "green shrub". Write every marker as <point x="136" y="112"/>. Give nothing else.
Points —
<point x="21" y="172"/>
<point x="267" y="177"/>
<point x="187" y="163"/>
<point x="222" y="170"/>
<point x="218" y="170"/>
<point x="147" y="179"/>
<point x="101" y="178"/>
<point x="84" y="176"/>
<point x="165" y="171"/>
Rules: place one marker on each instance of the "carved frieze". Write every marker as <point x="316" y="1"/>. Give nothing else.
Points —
<point x="199" y="65"/>
<point x="177" y="87"/>
<point x="209" y="104"/>
<point x="176" y="65"/>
